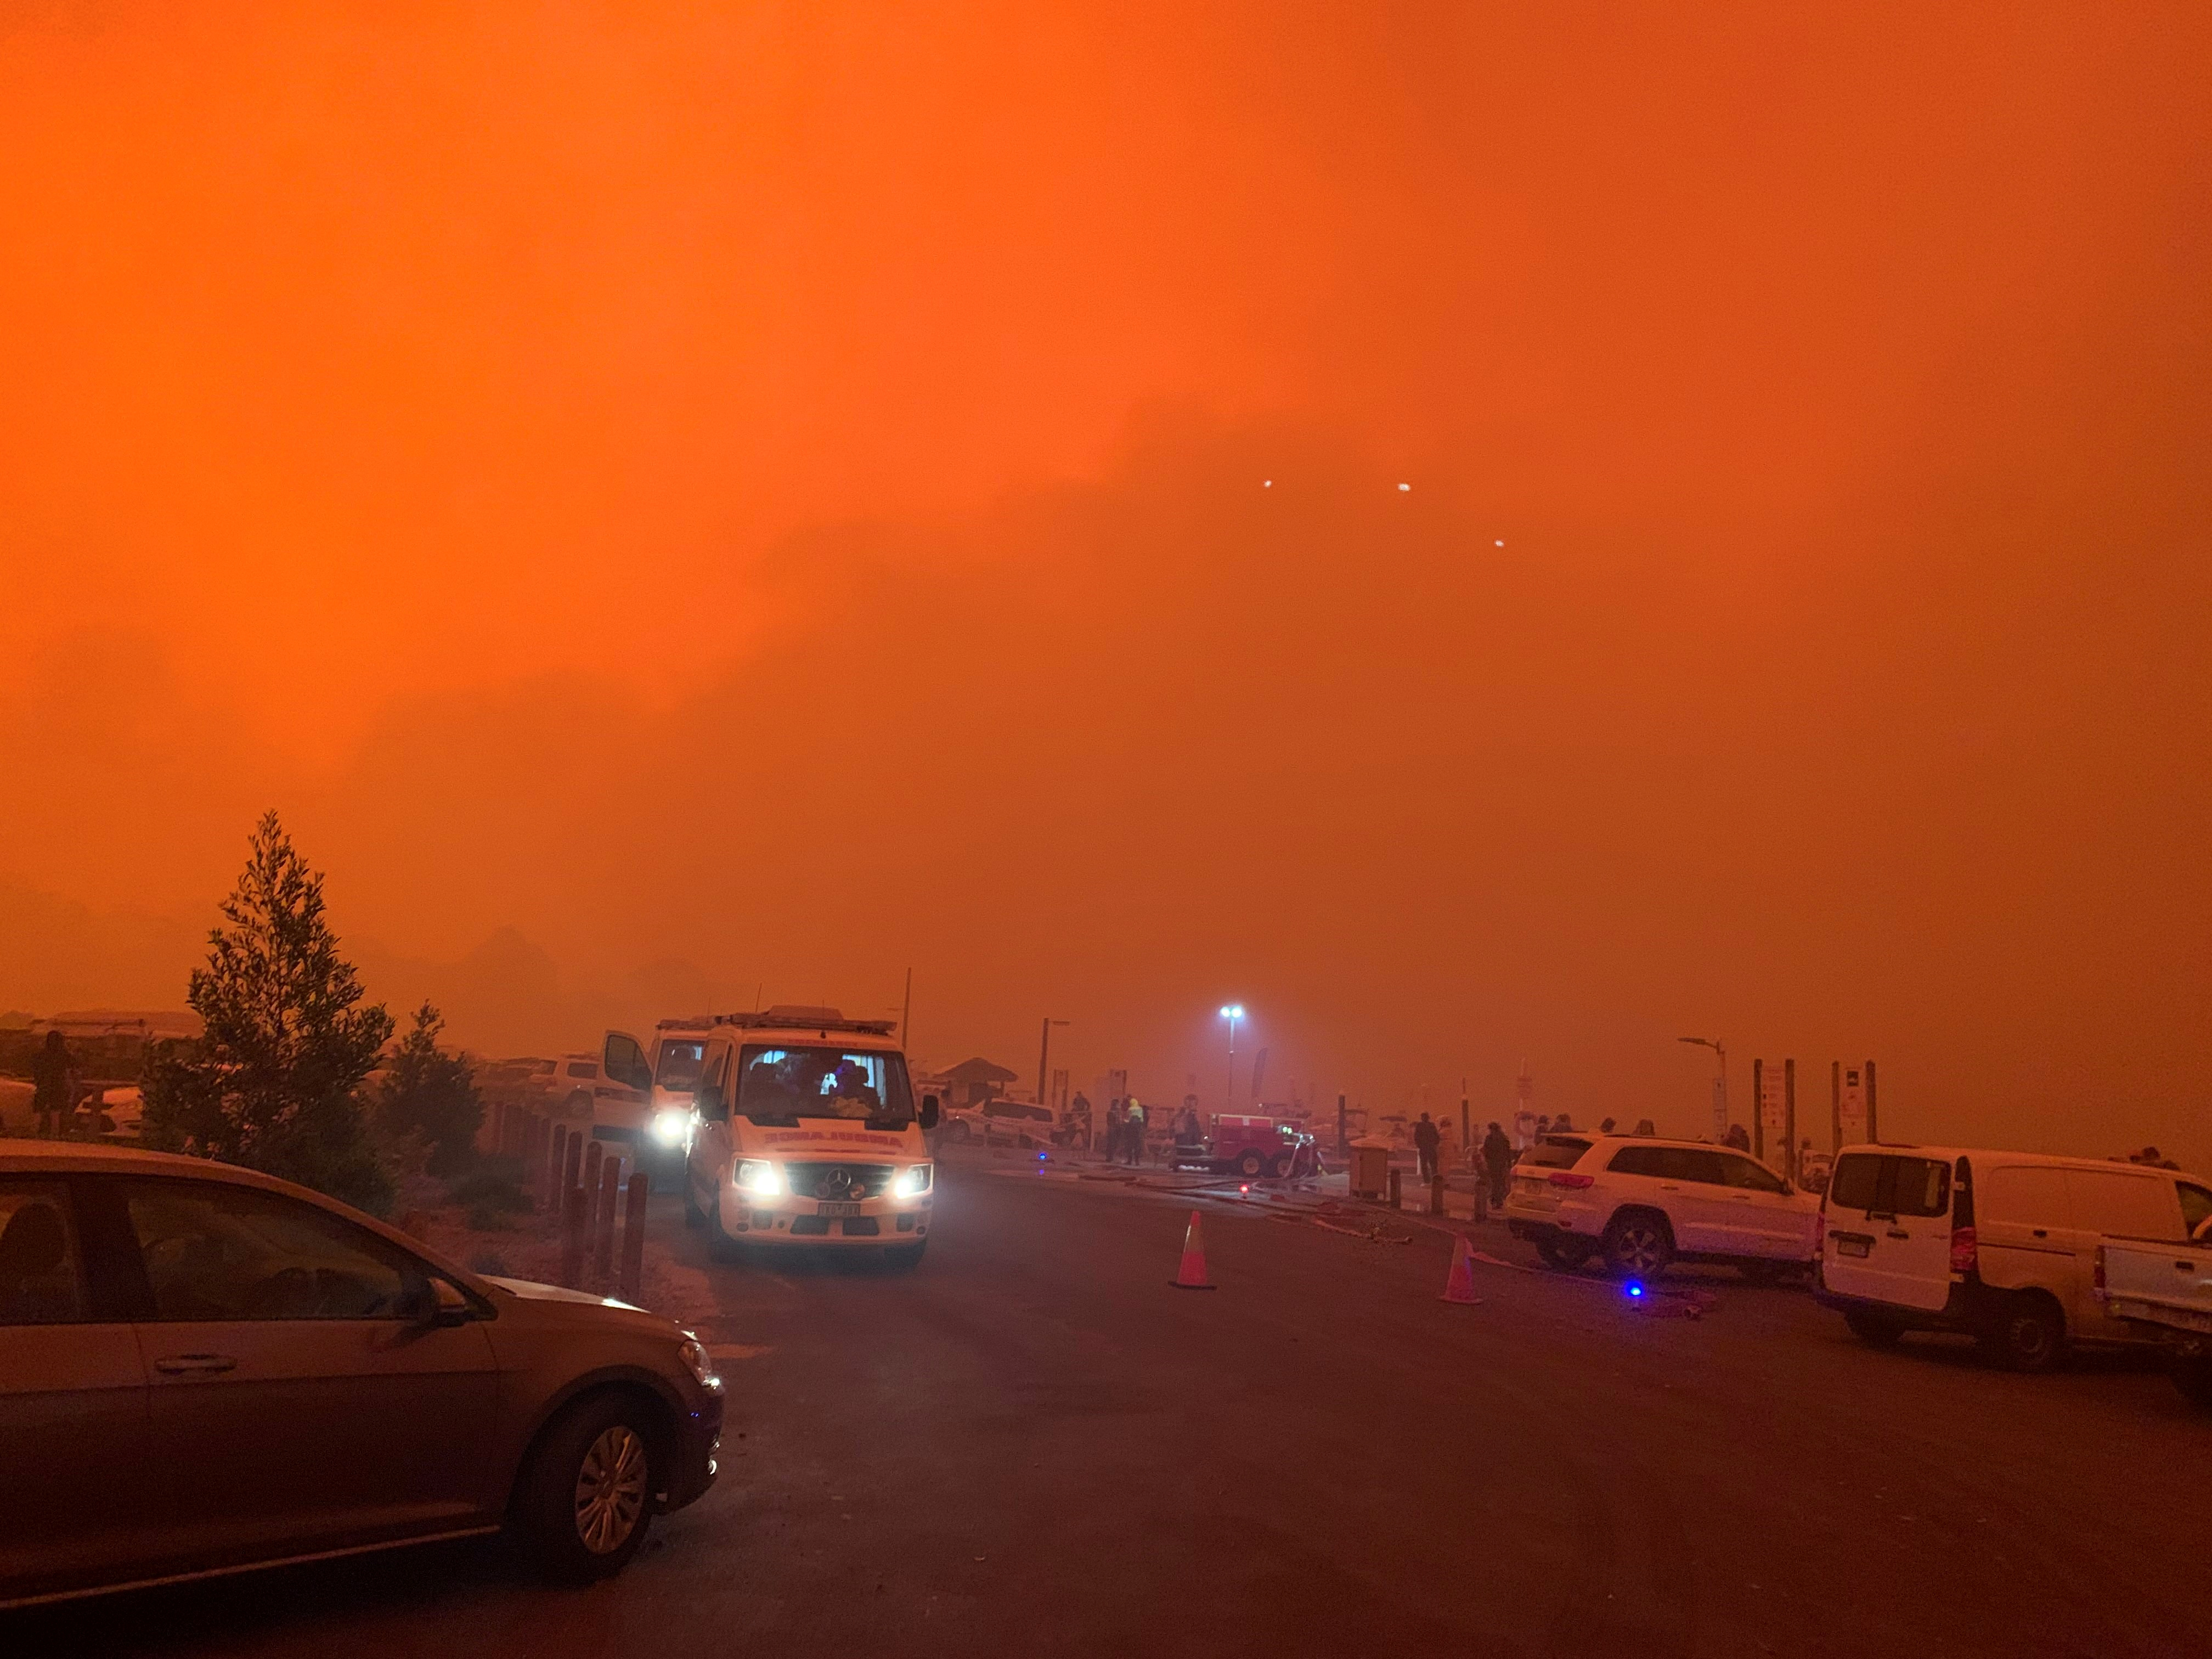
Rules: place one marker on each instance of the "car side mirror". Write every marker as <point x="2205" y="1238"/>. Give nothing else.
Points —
<point x="712" y="1106"/>
<point x="929" y="1112"/>
<point x="437" y="1304"/>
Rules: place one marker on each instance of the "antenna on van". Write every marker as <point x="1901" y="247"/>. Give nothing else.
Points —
<point x="758" y="991"/>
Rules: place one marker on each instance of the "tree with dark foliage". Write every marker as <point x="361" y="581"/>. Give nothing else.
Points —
<point x="271" y="1084"/>
<point x="432" y="1093"/>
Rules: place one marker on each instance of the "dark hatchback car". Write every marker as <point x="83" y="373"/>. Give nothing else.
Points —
<point x="204" y="1371"/>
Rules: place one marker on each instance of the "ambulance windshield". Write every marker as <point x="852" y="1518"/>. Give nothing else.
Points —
<point x="782" y="1086"/>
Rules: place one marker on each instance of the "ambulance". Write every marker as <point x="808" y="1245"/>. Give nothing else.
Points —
<point x="805" y="1131"/>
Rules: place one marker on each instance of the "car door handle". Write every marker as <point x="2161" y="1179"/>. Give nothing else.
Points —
<point x="2042" y="1232"/>
<point x="182" y="1364"/>
<point x="1899" y="1232"/>
<point x="1669" y="1187"/>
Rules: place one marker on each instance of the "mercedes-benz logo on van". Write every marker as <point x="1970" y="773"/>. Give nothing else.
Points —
<point x="834" y="1185"/>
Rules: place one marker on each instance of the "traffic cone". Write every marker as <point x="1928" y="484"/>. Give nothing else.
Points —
<point x="1192" y="1275"/>
<point x="1459" y="1283"/>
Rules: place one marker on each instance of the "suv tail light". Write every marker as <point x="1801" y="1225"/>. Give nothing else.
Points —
<point x="1963" y="1253"/>
<point x="1568" y="1178"/>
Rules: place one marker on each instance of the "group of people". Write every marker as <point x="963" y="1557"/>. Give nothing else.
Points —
<point x="1490" y="1159"/>
<point x="1124" y="1141"/>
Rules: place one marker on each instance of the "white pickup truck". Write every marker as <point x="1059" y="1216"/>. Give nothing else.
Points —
<point x="2165" y="1291"/>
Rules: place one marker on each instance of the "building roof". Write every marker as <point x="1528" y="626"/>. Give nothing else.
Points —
<point x="980" y="1070"/>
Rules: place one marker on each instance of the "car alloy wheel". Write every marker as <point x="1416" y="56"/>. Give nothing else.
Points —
<point x="611" y="1490"/>
<point x="1640" y="1248"/>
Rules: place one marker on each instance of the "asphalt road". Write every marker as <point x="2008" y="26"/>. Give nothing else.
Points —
<point x="1033" y="1444"/>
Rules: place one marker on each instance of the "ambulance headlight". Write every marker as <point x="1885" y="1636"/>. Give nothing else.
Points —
<point x="670" y="1124"/>
<point x="760" y="1177"/>
<point x="913" y="1180"/>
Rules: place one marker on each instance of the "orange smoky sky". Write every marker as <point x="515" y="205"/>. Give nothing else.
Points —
<point x="676" y="507"/>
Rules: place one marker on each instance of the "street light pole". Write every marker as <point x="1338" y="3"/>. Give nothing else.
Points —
<point x="1232" y="1012"/>
<point x="1044" y="1054"/>
<point x="1720" y="1081"/>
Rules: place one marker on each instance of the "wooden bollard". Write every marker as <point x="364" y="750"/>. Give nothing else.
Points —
<point x="633" y="1251"/>
<point x="603" y="1224"/>
<point x="1437" y="1194"/>
<point x="533" y="1151"/>
<point x="572" y="1238"/>
<point x="556" y="1160"/>
<point x="592" y="1153"/>
<point x="1397" y="1178"/>
<point x="572" y="1160"/>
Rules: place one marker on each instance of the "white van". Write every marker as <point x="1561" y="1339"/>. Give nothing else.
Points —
<point x="804" y="1131"/>
<point x="2001" y="1246"/>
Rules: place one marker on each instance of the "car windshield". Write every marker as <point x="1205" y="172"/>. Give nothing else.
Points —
<point x="678" y="1065"/>
<point x="782" y="1086"/>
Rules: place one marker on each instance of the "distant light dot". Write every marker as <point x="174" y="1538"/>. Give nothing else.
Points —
<point x="1497" y="543"/>
<point x="1405" y="486"/>
<point x="1268" y="484"/>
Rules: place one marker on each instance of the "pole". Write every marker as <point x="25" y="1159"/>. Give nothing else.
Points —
<point x="1720" y="1088"/>
<point x="602" y="1222"/>
<point x="592" y="1154"/>
<point x="906" y="1014"/>
<point x="1872" y="1132"/>
<point x="1466" y="1131"/>
<point x="632" y="1248"/>
<point x="1044" y="1048"/>
<point x="1231" y="1097"/>
<point x="1789" y="1119"/>
<point x="1342" y="1145"/>
<point x="1835" y="1107"/>
<point x="1759" y="1110"/>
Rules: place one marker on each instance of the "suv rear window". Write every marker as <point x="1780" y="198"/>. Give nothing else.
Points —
<point x="1886" y="1184"/>
<point x="1555" y="1152"/>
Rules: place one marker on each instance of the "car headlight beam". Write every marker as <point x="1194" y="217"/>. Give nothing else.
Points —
<point x="760" y="1177"/>
<point x="913" y="1180"/>
<point x="670" y="1125"/>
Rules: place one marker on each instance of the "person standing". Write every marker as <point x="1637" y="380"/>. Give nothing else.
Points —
<point x="1497" y="1161"/>
<point x="1113" y="1144"/>
<point x="1133" y="1133"/>
<point x="1474" y="1161"/>
<point x="1425" y="1147"/>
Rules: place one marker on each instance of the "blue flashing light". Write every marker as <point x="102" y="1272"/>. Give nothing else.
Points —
<point x="1635" y="1290"/>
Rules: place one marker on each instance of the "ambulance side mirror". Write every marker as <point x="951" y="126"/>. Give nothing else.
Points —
<point x="928" y="1119"/>
<point x="713" y="1108"/>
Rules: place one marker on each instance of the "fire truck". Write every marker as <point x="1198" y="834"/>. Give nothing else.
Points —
<point x="1251" y="1147"/>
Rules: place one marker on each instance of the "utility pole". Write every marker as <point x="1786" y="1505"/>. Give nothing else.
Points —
<point x="1044" y="1054"/>
<point x="906" y="1016"/>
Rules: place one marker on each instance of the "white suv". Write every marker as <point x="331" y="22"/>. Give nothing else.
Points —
<point x="1642" y="1203"/>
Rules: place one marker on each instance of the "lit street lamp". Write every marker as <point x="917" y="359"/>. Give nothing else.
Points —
<point x="1232" y="1012"/>
<point x="1720" y="1081"/>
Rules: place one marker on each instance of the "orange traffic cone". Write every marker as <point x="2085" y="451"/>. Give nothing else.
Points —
<point x="1459" y="1283"/>
<point x="1192" y="1275"/>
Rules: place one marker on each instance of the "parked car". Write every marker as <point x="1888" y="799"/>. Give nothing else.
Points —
<point x="2001" y="1246"/>
<point x="1643" y="1203"/>
<point x="204" y="1371"/>
<point x="2164" y="1290"/>
<point x="1006" y="1123"/>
